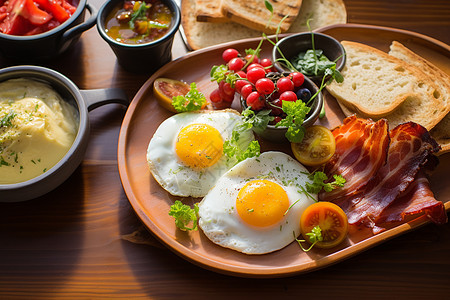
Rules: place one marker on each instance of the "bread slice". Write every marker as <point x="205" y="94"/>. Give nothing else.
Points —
<point x="209" y="11"/>
<point x="254" y="14"/>
<point x="199" y="35"/>
<point x="441" y="132"/>
<point x="375" y="83"/>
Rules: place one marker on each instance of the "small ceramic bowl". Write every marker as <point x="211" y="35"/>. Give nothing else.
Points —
<point x="47" y="45"/>
<point x="292" y="45"/>
<point x="83" y="101"/>
<point x="141" y="58"/>
<point x="278" y="134"/>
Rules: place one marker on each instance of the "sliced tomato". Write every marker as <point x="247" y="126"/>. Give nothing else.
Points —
<point x="31" y="12"/>
<point x="53" y="7"/>
<point x="331" y="219"/>
<point x="165" y="89"/>
<point x="68" y="7"/>
<point x="317" y="147"/>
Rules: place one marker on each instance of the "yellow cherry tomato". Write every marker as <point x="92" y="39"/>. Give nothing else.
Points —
<point x="317" y="147"/>
<point x="331" y="219"/>
<point x="165" y="89"/>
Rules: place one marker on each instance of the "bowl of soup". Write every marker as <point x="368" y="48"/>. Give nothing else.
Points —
<point x="140" y="33"/>
<point x="44" y="129"/>
<point x="36" y="30"/>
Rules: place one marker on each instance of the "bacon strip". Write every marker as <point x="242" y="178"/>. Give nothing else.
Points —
<point x="361" y="149"/>
<point x="417" y="198"/>
<point x="383" y="195"/>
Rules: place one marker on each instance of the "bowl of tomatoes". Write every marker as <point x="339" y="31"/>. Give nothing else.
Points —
<point x="140" y="33"/>
<point x="34" y="30"/>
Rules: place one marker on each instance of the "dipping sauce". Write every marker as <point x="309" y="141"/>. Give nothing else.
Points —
<point x="37" y="128"/>
<point x="30" y="17"/>
<point x="139" y="22"/>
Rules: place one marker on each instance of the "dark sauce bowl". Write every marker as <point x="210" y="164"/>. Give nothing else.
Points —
<point x="146" y="57"/>
<point x="47" y="45"/>
<point x="292" y="45"/>
<point x="83" y="101"/>
<point x="278" y="134"/>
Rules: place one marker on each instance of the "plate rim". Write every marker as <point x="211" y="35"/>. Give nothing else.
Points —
<point x="235" y="270"/>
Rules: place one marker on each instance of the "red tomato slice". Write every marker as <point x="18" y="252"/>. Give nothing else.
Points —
<point x="52" y="6"/>
<point x="31" y="12"/>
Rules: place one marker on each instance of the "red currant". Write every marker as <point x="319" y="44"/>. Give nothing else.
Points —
<point x="264" y="86"/>
<point x="254" y="74"/>
<point x="288" y="96"/>
<point x="297" y="78"/>
<point x="284" y="84"/>
<point x="229" y="54"/>
<point x="255" y="101"/>
<point x="236" y="64"/>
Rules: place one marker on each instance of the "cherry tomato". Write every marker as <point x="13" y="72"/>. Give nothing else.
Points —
<point x="317" y="147"/>
<point x="266" y="63"/>
<point x="264" y="86"/>
<point x="255" y="101"/>
<point x="297" y="78"/>
<point x="331" y="219"/>
<point x="246" y="90"/>
<point x="252" y="58"/>
<point x="276" y="107"/>
<point x="254" y="74"/>
<point x="241" y="74"/>
<point x="255" y="65"/>
<point x="236" y="64"/>
<point x="284" y="84"/>
<point x="229" y="54"/>
<point x="165" y="89"/>
<point x="215" y="96"/>
<point x="288" y="96"/>
<point x="239" y="84"/>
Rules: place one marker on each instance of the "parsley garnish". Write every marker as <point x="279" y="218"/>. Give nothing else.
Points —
<point x="184" y="215"/>
<point x="193" y="100"/>
<point x="295" y="115"/>
<point x="314" y="236"/>
<point x="6" y="120"/>
<point x="318" y="182"/>
<point x="233" y="148"/>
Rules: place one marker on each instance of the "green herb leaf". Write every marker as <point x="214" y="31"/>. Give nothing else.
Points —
<point x="268" y="6"/>
<point x="314" y="236"/>
<point x="258" y="120"/>
<point x="233" y="148"/>
<point x="139" y="14"/>
<point x="192" y="101"/>
<point x="6" y="120"/>
<point x="184" y="215"/>
<point x="295" y="115"/>
<point x="318" y="182"/>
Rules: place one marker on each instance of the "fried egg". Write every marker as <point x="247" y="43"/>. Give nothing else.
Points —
<point x="255" y="207"/>
<point x="185" y="155"/>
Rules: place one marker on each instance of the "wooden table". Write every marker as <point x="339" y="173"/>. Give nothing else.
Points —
<point x="84" y="241"/>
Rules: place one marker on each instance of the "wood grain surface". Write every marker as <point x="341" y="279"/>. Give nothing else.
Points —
<point x="84" y="241"/>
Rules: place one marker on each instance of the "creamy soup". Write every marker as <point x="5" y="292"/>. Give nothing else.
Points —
<point x="37" y="128"/>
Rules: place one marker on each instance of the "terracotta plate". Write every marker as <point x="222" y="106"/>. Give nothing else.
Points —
<point x="152" y="203"/>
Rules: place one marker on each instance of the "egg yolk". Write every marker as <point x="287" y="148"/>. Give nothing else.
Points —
<point x="262" y="203"/>
<point x="199" y="146"/>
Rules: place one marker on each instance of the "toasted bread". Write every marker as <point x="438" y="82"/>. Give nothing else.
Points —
<point x="441" y="132"/>
<point x="209" y="11"/>
<point x="202" y="34"/>
<point x="375" y="83"/>
<point x="255" y="15"/>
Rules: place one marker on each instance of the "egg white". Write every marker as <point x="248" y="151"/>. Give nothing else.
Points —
<point x="220" y="220"/>
<point x="168" y="170"/>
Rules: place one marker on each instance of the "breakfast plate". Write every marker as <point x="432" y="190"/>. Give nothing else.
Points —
<point x="152" y="203"/>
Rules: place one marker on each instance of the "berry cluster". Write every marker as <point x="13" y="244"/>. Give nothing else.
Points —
<point x="258" y="84"/>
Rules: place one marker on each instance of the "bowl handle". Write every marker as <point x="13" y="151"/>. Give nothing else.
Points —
<point x="98" y="97"/>
<point x="72" y="32"/>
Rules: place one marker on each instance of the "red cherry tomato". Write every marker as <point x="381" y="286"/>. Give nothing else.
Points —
<point x="288" y="96"/>
<point x="266" y="63"/>
<point x="284" y="84"/>
<point x="236" y="64"/>
<point x="241" y="74"/>
<point x="276" y="107"/>
<point x="256" y="73"/>
<point x="264" y="86"/>
<point x="255" y="101"/>
<point x="246" y="90"/>
<point x="255" y="65"/>
<point x="215" y="96"/>
<point x="297" y="78"/>
<point x="239" y="84"/>
<point x="252" y="58"/>
<point x="229" y="54"/>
